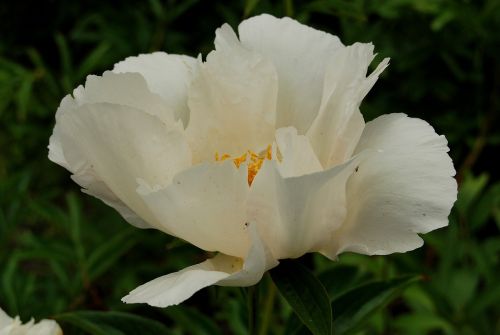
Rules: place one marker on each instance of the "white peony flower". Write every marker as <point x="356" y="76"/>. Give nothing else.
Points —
<point x="259" y="153"/>
<point x="10" y="326"/>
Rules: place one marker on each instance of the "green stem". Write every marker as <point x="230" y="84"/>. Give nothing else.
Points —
<point x="251" y="306"/>
<point x="289" y="8"/>
<point x="268" y="308"/>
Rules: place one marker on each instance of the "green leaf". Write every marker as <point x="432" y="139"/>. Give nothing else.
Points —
<point x="75" y="223"/>
<point x="422" y="323"/>
<point x="305" y="294"/>
<point x="461" y="288"/>
<point x="484" y="302"/>
<point x="66" y="62"/>
<point x="339" y="279"/>
<point x="107" y="254"/>
<point x="249" y="7"/>
<point x="157" y="9"/>
<point x="113" y="323"/>
<point x="293" y="326"/>
<point x="469" y="192"/>
<point x="86" y="325"/>
<point x="442" y="20"/>
<point x="92" y="61"/>
<point x="485" y="206"/>
<point x="354" y="307"/>
<point x="23" y="96"/>
<point x="184" y="316"/>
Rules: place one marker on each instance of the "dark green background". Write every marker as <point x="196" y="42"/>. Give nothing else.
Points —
<point x="63" y="251"/>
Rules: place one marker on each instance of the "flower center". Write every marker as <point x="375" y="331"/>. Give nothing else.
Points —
<point x="255" y="161"/>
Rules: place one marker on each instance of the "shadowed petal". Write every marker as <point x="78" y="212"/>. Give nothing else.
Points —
<point x="223" y="270"/>
<point x="339" y="124"/>
<point x="110" y="148"/>
<point x="295" y="215"/>
<point x="295" y="154"/>
<point x="205" y="205"/>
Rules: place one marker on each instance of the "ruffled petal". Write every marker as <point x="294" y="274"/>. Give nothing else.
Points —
<point x="339" y="124"/>
<point x="296" y="215"/>
<point x="300" y="55"/>
<point x="403" y="187"/>
<point x="166" y="75"/>
<point x="205" y="205"/>
<point x="232" y="100"/>
<point x="221" y="270"/>
<point x="111" y="149"/>
<point x="129" y="89"/>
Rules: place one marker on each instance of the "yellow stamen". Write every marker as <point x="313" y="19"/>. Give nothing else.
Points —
<point x="255" y="161"/>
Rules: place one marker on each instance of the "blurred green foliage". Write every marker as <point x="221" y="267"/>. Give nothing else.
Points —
<point x="62" y="251"/>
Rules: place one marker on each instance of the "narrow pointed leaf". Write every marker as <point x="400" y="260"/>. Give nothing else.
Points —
<point x="106" y="255"/>
<point x="113" y="323"/>
<point x="355" y="306"/>
<point x="339" y="279"/>
<point x="184" y="316"/>
<point x="305" y="294"/>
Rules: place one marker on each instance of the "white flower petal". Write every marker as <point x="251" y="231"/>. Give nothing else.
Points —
<point x="259" y="259"/>
<point x="5" y="320"/>
<point x="403" y="187"/>
<point x="129" y="89"/>
<point x="92" y="185"/>
<point x="205" y="205"/>
<point x="45" y="327"/>
<point x="296" y="215"/>
<point x="84" y="176"/>
<point x="166" y="75"/>
<point x="174" y="288"/>
<point x="56" y="153"/>
<point x="108" y="147"/>
<point x="13" y="326"/>
<point x="296" y="154"/>
<point x="300" y="55"/>
<point x="163" y="139"/>
<point x="339" y="124"/>
<point x="222" y="270"/>
<point x="232" y="100"/>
